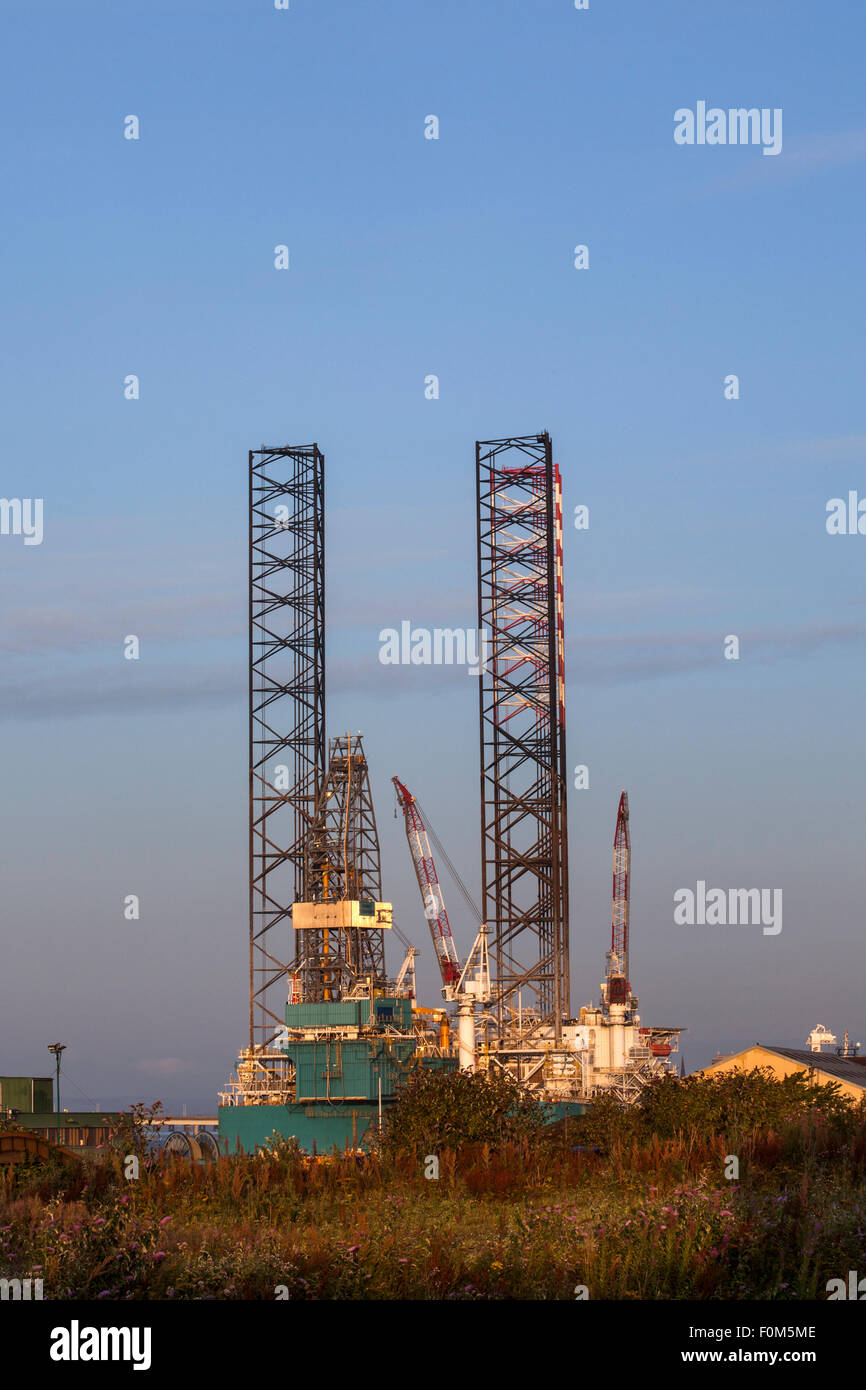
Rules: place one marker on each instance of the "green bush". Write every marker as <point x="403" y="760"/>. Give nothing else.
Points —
<point x="735" y="1104"/>
<point x="447" y="1110"/>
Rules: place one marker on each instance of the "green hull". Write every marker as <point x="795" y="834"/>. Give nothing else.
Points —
<point x="319" y="1127"/>
<point x="315" y="1127"/>
<point x="564" y="1109"/>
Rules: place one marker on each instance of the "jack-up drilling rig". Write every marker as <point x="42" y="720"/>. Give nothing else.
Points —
<point x="331" y="1036"/>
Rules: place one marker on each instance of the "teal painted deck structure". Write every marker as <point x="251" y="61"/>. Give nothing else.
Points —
<point x="317" y="1128"/>
<point x="337" y="1078"/>
<point x="314" y="1123"/>
<point x="562" y="1109"/>
<point x="378" y="1012"/>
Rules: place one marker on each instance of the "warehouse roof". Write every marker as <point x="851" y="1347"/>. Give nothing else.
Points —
<point x="843" y="1068"/>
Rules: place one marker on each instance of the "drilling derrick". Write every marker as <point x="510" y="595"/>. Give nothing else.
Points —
<point x="618" y="987"/>
<point x="342" y="867"/>
<point x="286" y="707"/>
<point x="522" y="732"/>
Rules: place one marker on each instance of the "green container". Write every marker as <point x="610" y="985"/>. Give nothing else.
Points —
<point x="30" y="1093"/>
<point x="386" y="1012"/>
<point x="342" y="1015"/>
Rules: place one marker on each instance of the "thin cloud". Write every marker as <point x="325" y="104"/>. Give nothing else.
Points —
<point x="98" y="691"/>
<point x="163" y="1066"/>
<point x="620" y="659"/>
<point x="611" y="659"/>
<point x="77" y="627"/>
<point x="798" y="159"/>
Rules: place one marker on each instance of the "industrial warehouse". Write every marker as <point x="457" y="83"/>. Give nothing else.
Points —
<point x="332" y="1034"/>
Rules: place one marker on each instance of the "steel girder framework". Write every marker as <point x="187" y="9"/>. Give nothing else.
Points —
<point x="342" y="861"/>
<point x="287" y="707"/>
<point x="524" y="855"/>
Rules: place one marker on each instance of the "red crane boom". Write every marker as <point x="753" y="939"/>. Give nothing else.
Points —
<point x="428" y="883"/>
<point x="618" y="987"/>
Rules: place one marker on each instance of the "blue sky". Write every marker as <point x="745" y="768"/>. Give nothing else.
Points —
<point x="410" y="257"/>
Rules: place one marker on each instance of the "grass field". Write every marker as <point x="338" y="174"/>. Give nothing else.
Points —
<point x="648" y="1217"/>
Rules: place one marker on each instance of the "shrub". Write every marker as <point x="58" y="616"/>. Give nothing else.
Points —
<point x="446" y="1110"/>
<point x="735" y="1104"/>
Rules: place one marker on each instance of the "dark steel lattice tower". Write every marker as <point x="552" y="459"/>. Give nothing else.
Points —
<point x="287" y="707"/>
<point x="524" y="854"/>
<point x="342" y="861"/>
